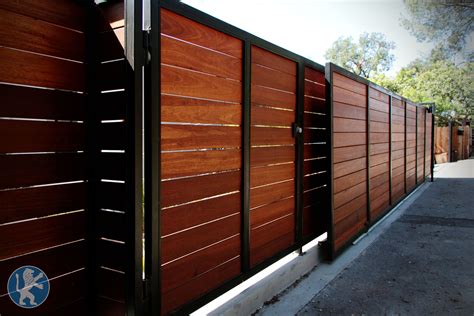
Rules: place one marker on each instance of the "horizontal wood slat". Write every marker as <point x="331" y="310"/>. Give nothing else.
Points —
<point x="194" y="163"/>
<point x="187" y="30"/>
<point x="25" y="237"/>
<point x="190" y="110"/>
<point x="180" y="81"/>
<point x="198" y="58"/>
<point x="34" y="202"/>
<point x="25" y="68"/>
<point x="26" y="102"/>
<point x="181" y="137"/>
<point x="27" y="170"/>
<point x="26" y="33"/>
<point x="179" y="191"/>
<point x="65" y="13"/>
<point x="33" y="136"/>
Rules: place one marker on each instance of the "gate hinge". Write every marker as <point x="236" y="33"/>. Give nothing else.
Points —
<point x="147" y="46"/>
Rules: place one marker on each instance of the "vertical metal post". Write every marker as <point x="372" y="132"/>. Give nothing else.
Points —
<point x="450" y="141"/>
<point x="152" y="175"/>
<point x="369" y="219"/>
<point x="416" y="145"/>
<point x="134" y="166"/>
<point x="330" y="143"/>
<point x="390" y="149"/>
<point x="299" y="155"/>
<point x="433" y="107"/>
<point x="247" y="58"/>
<point x="424" y="146"/>
<point x="405" y="145"/>
<point x="92" y="154"/>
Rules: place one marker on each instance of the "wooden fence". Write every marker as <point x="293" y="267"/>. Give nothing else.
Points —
<point x="381" y="152"/>
<point x="251" y="151"/>
<point x="452" y="143"/>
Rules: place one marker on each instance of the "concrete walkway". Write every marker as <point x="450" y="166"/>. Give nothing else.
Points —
<point x="421" y="264"/>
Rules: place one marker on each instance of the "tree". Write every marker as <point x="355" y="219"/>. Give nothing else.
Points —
<point x="449" y="24"/>
<point x="370" y="55"/>
<point x="451" y="87"/>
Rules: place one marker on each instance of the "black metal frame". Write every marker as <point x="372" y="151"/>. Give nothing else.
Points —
<point x="390" y="150"/>
<point x="152" y="152"/>
<point x="92" y="152"/>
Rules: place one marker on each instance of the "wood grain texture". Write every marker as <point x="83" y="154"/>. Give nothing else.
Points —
<point x="179" y="191"/>
<point x="28" y="203"/>
<point x="187" y="30"/>
<point x="198" y="58"/>
<point x="26" y="33"/>
<point x="349" y="111"/>
<point x="267" y="213"/>
<point x="182" y="164"/>
<point x="25" y="68"/>
<point x="348" y="97"/>
<point x="200" y="285"/>
<point x="181" y="137"/>
<point x="186" y="216"/>
<point x="270" y="174"/>
<point x="347" y="167"/>
<point x="261" y="156"/>
<point x="62" y="12"/>
<point x="275" y="98"/>
<point x="349" y="153"/>
<point x="189" y="110"/>
<point x="25" y="237"/>
<point x="178" y="245"/>
<point x="268" y="77"/>
<point x="348" y="139"/>
<point x="271" y="136"/>
<point x="180" y="81"/>
<point x="182" y="271"/>
<point x="349" y="84"/>
<point x="271" y="117"/>
<point x="270" y="193"/>
<point x="265" y="58"/>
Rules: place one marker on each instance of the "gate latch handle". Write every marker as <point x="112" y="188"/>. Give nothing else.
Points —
<point x="296" y="129"/>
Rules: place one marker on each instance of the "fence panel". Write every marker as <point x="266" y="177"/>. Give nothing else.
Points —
<point x="374" y="150"/>
<point x="349" y="123"/>
<point x="272" y="181"/>
<point x="420" y="144"/>
<point x="410" y="113"/>
<point x="315" y="168"/>
<point x="201" y="159"/>
<point x="379" y="113"/>
<point x="42" y="150"/>
<point x="398" y="149"/>
<point x="110" y="177"/>
<point x="428" y="142"/>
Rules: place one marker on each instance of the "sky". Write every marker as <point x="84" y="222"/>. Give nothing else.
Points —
<point x="309" y="27"/>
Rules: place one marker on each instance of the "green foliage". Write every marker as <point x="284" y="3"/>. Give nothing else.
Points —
<point x="367" y="57"/>
<point x="451" y="87"/>
<point x="449" y="24"/>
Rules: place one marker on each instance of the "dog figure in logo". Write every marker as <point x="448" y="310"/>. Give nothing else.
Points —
<point x="30" y="281"/>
